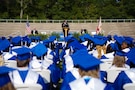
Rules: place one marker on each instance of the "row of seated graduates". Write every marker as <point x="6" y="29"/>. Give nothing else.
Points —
<point x="26" y="41"/>
<point x="124" y="47"/>
<point x="74" y="50"/>
<point x="92" y="45"/>
<point x="73" y="45"/>
<point x="17" y="41"/>
<point x="52" y="45"/>
<point x="6" y="49"/>
<point x="110" y="47"/>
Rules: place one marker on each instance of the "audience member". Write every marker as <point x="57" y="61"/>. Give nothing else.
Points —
<point x="34" y="31"/>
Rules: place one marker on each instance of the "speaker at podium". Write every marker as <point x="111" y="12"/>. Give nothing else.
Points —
<point x="65" y="31"/>
<point x="65" y="27"/>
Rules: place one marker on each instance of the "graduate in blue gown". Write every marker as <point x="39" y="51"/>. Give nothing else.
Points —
<point x="23" y="75"/>
<point x="87" y="41"/>
<point x="40" y="50"/>
<point x="89" y="72"/>
<point x="5" y="49"/>
<point x="54" y="48"/>
<point x="73" y="73"/>
<point x="66" y="51"/>
<point x="66" y="47"/>
<point x="5" y="81"/>
<point x="26" y="41"/>
<point x="73" y="47"/>
<point x="127" y="76"/>
<point x="16" y="41"/>
<point x="69" y="77"/>
<point x="124" y="43"/>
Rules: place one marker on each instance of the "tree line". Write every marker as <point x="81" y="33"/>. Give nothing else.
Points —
<point x="67" y="9"/>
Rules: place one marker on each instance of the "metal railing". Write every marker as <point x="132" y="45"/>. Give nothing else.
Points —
<point x="69" y="21"/>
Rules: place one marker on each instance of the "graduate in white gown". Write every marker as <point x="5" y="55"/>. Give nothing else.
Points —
<point x="5" y="82"/>
<point x="23" y="75"/>
<point x="72" y="72"/>
<point x="89" y="72"/>
<point x="4" y="48"/>
<point x="127" y="76"/>
<point x="46" y="62"/>
<point x="86" y="40"/>
<point x="16" y="41"/>
<point x="119" y="62"/>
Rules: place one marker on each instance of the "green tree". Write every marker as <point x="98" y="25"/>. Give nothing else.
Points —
<point x="67" y="9"/>
<point x="23" y="5"/>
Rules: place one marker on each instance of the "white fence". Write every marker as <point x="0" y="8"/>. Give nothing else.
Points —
<point x="70" y="21"/>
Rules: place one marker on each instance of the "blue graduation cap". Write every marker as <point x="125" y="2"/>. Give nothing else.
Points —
<point x="131" y="55"/>
<point x="76" y="45"/>
<point x="52" y="38"/>
<point x="120" y="53"/>
<point x="0" y="39"/>
<point x="32" y="38"/>
<point x="98" y="41"/>
<point x="35" y="38"/>
<point x="87" y="36"/>
<point x="109" y="37"/>
<point x="98" y="36"/>
<point x="23" y="53"/>
<point x="4" y="44"/>
<point x="69" y="39"/>
<point x="39" y="50"/>
<point x="25" y="38"/>
<point x="85" y="61"/>
<point x="119" y="39"/>
<point x="128" y="39"/>
<point x="114" y="46"/>
<point x="78" y="52"/>
<point x="46" y="41"/>
<point x="16" y="40"/>
<point x="82" y="38"/>
<point x="4" y="76"/>
<point x="3" y="37"/>
<point x="38" y="38"/>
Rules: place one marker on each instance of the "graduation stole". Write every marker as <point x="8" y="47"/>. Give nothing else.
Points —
<point x="31" y="77"/>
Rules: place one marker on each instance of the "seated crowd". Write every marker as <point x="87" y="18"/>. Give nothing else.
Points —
<point x="75" y="64"/>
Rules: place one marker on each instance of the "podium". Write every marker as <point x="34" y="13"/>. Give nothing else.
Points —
<point x="65" y="31"/>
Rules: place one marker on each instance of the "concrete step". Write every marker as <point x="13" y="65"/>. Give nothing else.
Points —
<point x="108" y="28"/>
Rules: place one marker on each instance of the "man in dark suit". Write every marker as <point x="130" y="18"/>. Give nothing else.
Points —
<point x="65" y="27"/>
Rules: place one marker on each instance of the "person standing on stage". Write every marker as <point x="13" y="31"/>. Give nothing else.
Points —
<point x="65" y="27"/>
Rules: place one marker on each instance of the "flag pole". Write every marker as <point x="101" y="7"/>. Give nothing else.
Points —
<point x="98" y="30"/>
<point x="27" y="31"/>
<point x="26" y="22"/>
<point x="27" y="17"/>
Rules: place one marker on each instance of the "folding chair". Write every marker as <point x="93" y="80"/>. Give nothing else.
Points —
<point x="28" y="87"/>
<point x="105" y="66"/>
<point x="10" y="63"/>
<point x="113" y="73"/>
<point x="45" y="73"/>
<point x="129" y="86"/>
